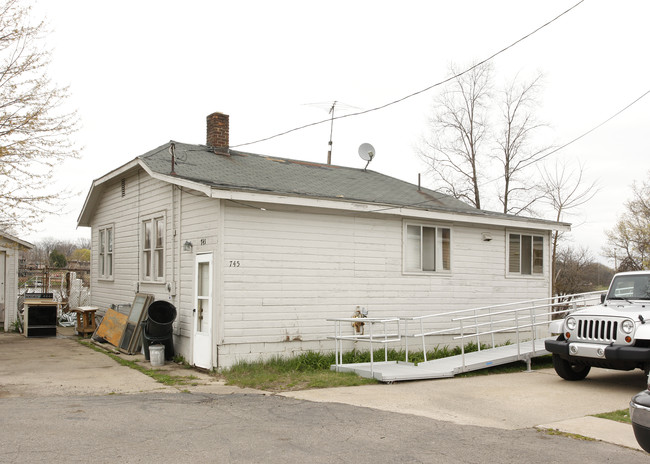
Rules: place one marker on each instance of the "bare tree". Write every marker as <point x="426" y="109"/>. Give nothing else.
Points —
<point x="83" y="242"/>
<point x="34" y="130"/>
<point x="474" y="129"/>
<point x="577" y="272"/>
<point x="564" y="190"/>
<point x="42" y="249"/>
<point x="515" y="153"/>
<point x="40" y="254"/>
<point x="454" y="148"/>
<point x="571" y="271"/>
<point x="629" y="240"/>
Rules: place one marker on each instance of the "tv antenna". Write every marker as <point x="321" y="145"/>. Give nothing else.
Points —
<point x="367" y="153"/>
<point x="331" y="107"/>
<point x="329" y="152"/>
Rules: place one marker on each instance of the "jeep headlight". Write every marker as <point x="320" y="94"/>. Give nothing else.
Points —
<point x="571" y="323"/>
<point x="627" y="326"/>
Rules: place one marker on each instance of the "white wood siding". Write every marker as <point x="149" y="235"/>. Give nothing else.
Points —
<point x="200" y="218"/>
<point x="279" y="273"/>
<point x="298" y="268"/>
<point x="11" y="251"/>
<point x="190" y="216"/>
<point x="143" y="196"/>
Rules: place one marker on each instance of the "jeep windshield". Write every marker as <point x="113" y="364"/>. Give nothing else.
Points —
<point x="630" y="287"/>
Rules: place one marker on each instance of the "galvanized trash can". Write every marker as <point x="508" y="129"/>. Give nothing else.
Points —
<point x="157" y="354"/>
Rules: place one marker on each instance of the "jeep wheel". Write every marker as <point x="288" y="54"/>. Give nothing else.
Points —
<point x="569" y="371"/>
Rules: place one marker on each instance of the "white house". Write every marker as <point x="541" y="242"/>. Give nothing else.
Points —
<point x="10" y="248"/>
<point x="257" y="251"/>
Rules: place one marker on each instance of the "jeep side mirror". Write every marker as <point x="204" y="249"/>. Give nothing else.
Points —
<point x="602" y="298"/>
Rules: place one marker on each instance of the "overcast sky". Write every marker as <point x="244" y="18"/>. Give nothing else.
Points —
<point x="144" y="72"/>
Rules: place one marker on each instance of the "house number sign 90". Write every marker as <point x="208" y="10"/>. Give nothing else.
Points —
<point x="234" y="263"/>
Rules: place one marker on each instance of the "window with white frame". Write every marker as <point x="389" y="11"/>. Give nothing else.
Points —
<point x="525" y="254"/>
<point x="427" y="248"/>
<point x="153" y="249"/>
<point x="105" y="265"/>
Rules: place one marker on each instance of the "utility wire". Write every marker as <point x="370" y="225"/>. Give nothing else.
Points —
<point x="437" y="84"/>
<point x="545" y="155"/>
<point x="561" y="147"/>
<point x="586" y="133"/>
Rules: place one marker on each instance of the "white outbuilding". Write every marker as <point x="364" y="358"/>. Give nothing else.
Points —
<point x="10" y="248"/>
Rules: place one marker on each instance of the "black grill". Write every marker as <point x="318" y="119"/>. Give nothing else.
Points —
<point x="597" y="330"/>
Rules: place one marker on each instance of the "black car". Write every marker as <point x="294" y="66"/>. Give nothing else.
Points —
<point x="640" y="416"/>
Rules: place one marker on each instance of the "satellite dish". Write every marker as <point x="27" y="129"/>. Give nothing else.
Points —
<point x="366" y="152"/>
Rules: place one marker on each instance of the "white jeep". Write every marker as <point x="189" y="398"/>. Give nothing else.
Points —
<point x="613" y="335"/>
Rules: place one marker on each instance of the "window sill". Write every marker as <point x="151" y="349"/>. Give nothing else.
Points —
<point x="426" y="273"/>
<point x="106" y="279"/>
<point x="152" y="282"/>
<point x="525" y="276"/>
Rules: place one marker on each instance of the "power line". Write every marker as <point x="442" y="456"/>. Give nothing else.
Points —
<point x="437" y="84"/>
<point x="586" y="133"/>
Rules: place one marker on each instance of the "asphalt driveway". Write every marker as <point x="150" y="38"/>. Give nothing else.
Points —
<point x="45" y="367"/>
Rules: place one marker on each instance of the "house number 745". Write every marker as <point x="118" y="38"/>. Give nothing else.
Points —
<point x="234" y="264"/>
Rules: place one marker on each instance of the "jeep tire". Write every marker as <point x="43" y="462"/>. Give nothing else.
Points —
<point x="568" y="370"/>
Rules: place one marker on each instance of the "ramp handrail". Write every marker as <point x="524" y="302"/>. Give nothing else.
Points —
<point x="529" y="313"/>
<point x="385" y="337"/>
<point x="517" y="317"/>
<point x="538" y="305"/>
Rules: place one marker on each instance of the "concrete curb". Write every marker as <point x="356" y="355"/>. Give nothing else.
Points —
<point x="596" y="428"/>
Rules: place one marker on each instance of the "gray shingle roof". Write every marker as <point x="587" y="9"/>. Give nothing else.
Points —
<point x="248" y="172"/>
<point x="267" y="174"/>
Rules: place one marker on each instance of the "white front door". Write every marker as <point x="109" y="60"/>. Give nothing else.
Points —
<point x="202" y="346"/>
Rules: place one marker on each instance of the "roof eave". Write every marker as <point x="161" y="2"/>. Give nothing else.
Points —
<point x="478" y="217"/>
<point x="96" y="188"/>
<point x="17" y="240"/>
<point x="394" y="210"/>
<point x="85" y="216"/>
<point x="176" y="180"/>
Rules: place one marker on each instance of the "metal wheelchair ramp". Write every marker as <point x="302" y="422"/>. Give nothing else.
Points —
<point x="396" y="371"/>
<point x="505" y="333"/>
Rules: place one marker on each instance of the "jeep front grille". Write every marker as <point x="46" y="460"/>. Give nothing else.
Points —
<point x="597" y="330"/>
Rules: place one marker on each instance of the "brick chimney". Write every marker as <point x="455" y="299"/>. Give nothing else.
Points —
<point x="217" y="132"/>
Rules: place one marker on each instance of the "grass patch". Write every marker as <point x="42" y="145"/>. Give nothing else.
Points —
<point x="158" y="375"/>
<point x="438" y="352"/>
<point x="308" y="370"/>
<point x="16" y="327"/>
<point x="178" y="359"/>
<point x="575" y="436"/>
<point x="312" y="369"/>
<point x="622" y="415"/>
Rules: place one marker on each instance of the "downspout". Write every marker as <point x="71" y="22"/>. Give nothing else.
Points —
<point x="173" y="194"/>
<point x="172" y="296"/>
<point x="220" y="307"/>
<point x="139" y="235"/>
<point x="550" y="263"/>
<point x="179" y="287"/>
